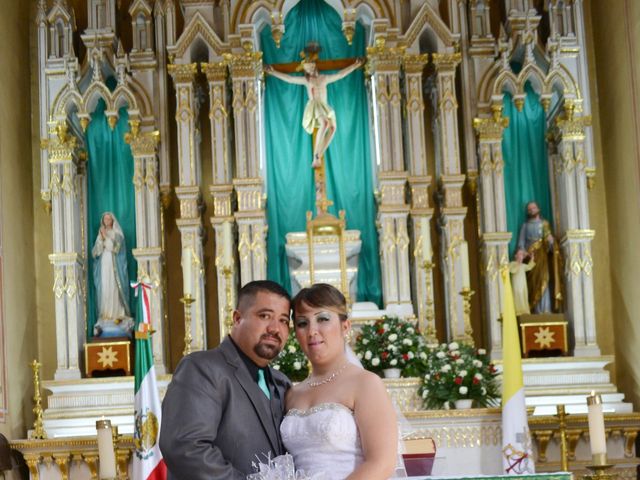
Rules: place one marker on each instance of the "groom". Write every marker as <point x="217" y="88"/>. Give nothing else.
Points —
<point x="223" y="407"/>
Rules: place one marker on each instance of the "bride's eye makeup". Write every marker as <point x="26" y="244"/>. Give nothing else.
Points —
<point x="300" y="322"/>
<point x="323" y="317"/>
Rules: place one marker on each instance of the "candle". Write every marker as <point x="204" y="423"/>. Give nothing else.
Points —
<point x="106" y="452"/>
<point x="227" y="243"/>
<point x="186" y="271"/>
<point x="425" y="233"/>
<point x="597" y="438"/>
<point x="464" y="263"/>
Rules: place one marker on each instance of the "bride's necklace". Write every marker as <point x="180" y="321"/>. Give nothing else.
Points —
<point x="328" y="379"/>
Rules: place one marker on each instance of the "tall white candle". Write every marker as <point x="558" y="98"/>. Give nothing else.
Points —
<point x="597" y="437"/>
<point x="227" y="244"/>
<point x="187" y="268"/>
<point x="106" y="452"/>
<point x="464" y="263"/>
<point x="425" y="233"/>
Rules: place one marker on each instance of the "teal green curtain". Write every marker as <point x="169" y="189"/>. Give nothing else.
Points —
<point x="526" y="169"/>
<point x="290" y="186"/>
<point x="109" y="189"/>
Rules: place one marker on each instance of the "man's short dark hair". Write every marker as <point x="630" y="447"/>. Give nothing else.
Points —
<point x="251" y="289"/>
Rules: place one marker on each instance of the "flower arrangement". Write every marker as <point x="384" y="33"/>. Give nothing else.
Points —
<point x="291" y="361"/>
<point x="388" y="343"/>
<point x="458" y="371"/>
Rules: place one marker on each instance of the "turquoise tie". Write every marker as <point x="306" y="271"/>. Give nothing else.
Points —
<point x="262" y="383"/>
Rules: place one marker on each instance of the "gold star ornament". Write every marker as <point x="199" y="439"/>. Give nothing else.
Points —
<point x="544" y="337"/>
<point x="107" y="357"/>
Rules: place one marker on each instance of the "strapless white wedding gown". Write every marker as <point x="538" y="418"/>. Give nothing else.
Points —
<point x="324" y="440"/>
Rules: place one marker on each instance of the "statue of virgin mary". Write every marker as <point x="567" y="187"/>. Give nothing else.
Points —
<point x="111" y="280"/>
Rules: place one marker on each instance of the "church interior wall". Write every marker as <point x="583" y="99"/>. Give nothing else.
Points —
<point x="598" y="209"/>
<point x="616" y="37"/>
<point x="29" y="325"/>
<point x="19" y="315"/>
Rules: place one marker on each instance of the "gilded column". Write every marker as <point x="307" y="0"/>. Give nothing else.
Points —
<point x="493" y="223"/>
<point x="246" y="78"/>
<point x="221" y="190"/>
<point x="419" y="183"/>
<point x="67" y="258"/>
<point x="190" y="197"/>
<point x="571" y="187"/>
<point x="451" y="180"/>
<point x="148" y="252"/>
<point x="384" y="67"/>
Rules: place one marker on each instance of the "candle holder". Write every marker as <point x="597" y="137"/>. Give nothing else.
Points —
<point x="38" y="426"/>
<point x="562" y="430"/>
<point x="599" y="467"/>
<point x="466" y="293"/>
<point x="430" y="327"/>
<point x="187" y="300"/>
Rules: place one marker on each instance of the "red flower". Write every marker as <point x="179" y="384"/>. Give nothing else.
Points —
<point x="405" y="356"/>
<point x="380" y="331"/>
<point x="437" y="376"/>
<point x="492" y="368"/>
<point x="475" y="381"/>
<point x="458" y="380"/>
<point x="385" y="355"/>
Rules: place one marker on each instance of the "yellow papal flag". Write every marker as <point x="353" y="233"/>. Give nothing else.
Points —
<point x="516" y="439"/>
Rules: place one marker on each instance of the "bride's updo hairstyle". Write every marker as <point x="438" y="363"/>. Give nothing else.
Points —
<point x="322" y="295"/>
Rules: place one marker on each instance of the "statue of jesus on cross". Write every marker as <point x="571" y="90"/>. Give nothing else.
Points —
<point x="318" y="115"/>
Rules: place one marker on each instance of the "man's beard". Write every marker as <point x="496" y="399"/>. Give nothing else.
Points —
<point x="268" y="351"/>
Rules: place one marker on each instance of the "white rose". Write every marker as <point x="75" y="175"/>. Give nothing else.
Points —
<point x="459" y="361"/>
<point x="455" y="353"/>
<point x="453" y="346"/>
<point x="297" y="365"/>
<point x="410" y="330"/>
<point x="441" y="355"/>
<point x="463" y="373"/>
<point x="385" y="326"/>
<point x="365" y="341"/>
<point x="423" y="355"/>
<point x="276" y="367"/>
<point x="375" y="362"/>
<point x="483" y="391"/>
<point x="393" y="362"/>
<point x="393" y="337"/>
<point x="368" y="355"/>
<point x="410" y="355"/>
<point x="477" y="363"/>
<point x="406" y="341"/>
<point x="427" y="376"/>
<point x="292" y="349"/>
<point x="478" y="376"/>
<point x="463" y="390"/>
<point x="482" y="351"/>
<point x="425" y="393"/>
<point x="446" y="405"/>
<point x="445" y="368"/>
<point x="359" y="355"/>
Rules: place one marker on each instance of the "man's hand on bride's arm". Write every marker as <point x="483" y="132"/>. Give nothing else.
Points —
<point x="378" y="426"/>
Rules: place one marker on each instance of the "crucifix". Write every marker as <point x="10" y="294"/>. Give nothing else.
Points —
<point x="319" y="119"/>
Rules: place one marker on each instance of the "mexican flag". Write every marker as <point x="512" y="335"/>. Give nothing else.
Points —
<point x="147" y="460"/>
<point x="516" y="439"/>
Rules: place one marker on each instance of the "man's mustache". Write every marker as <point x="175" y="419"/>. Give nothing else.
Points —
<point x="269" y="335"/>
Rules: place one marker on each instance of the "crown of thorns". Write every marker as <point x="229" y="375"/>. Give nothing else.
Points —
<point x="309" y="54"/>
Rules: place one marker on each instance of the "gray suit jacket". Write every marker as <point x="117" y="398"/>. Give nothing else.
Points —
<point x="215" y="418"/>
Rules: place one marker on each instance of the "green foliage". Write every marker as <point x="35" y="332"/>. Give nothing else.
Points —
<point x="388" y="343"/>
<point x="457" y="371"/>
<point x="292" y="361"/>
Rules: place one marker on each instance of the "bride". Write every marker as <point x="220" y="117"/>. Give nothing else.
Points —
<point x="340" y="421"/>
